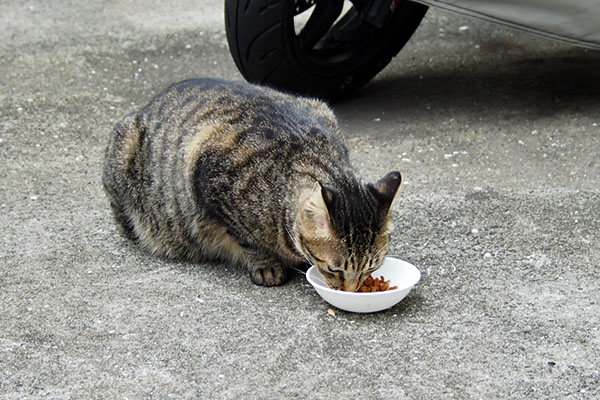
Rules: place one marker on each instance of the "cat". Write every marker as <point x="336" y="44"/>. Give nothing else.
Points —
<point x="241" y="173"/>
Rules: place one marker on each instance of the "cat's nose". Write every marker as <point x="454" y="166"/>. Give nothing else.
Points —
<point x="351" y="285"/>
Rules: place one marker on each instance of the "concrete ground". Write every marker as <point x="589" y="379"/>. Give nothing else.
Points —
<point x="497" y="136"/>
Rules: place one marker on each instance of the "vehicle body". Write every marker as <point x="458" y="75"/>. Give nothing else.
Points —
<point x="575" y="22"/>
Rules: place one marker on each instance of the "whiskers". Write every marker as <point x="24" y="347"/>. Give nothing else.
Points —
<point x="308" y="260"/>
<point x="380" y="252"/>
<point x="297" y="270"/>
<point x="299" y="249"/>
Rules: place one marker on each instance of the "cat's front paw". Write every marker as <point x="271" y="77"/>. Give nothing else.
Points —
<point x="271" y="275"/>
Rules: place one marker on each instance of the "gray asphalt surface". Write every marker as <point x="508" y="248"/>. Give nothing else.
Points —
<point x="496" y="134"/>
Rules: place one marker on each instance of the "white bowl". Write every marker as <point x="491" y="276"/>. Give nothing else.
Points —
<point x="398" y="272"/>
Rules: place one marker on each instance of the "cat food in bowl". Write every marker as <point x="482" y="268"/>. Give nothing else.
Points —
<point x="371" y="285"/>
<point x="399" y="273"/>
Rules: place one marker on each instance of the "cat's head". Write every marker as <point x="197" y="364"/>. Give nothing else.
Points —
<point x="346" y="232"/>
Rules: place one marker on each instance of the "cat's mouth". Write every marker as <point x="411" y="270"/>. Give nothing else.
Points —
<point x="351" y="286"/>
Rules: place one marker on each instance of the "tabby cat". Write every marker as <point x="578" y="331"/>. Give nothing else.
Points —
<point x="243" y="174"/>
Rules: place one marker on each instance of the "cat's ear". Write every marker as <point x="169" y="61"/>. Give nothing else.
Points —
<point x="328" y="196"/>
<point x="386" y="188"/>
<point x="315" y="213"/>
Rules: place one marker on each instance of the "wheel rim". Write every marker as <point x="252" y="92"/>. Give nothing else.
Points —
<point x="323" y="38"/>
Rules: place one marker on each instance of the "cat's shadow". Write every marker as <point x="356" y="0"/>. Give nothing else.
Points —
<point x="564" y="81"/>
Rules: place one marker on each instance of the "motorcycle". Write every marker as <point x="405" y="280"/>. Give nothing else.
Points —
<point x="330" y="47"/>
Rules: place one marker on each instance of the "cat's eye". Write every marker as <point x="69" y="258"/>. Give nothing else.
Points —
<point x="373" y="266"/>
<point x="328" y="275"/>
<point x="335" y="273"/>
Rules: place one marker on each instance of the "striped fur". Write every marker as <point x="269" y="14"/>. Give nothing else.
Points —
<point x="216" y="170"/>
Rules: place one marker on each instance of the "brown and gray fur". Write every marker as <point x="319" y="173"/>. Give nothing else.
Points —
<point x="229" y="171"/>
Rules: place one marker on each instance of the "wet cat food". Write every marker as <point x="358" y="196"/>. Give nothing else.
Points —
<point x="376" y="285"/>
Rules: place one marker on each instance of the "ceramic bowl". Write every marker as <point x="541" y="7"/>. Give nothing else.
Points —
<point x="399" y="273"/>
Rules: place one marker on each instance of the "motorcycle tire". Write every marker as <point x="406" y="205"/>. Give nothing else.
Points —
<point x="267" y="49"/>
